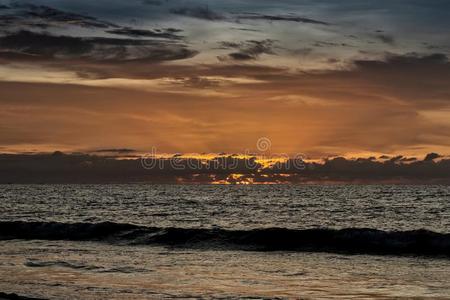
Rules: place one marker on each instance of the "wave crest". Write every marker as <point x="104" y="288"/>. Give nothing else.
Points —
<point x="351" y="240"/>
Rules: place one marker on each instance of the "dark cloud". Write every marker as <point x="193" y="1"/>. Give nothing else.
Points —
<point x="246" y="29"/>
<point x="74" y="168"/>
<point x="42" y="46"/>
<point x="406" y="63"/>
<point x="241" y="56"/>
<point x="198" y="12"/>
<point x="165" y="33"/>
<point x="414" y="78"/>
<point x="44" y="16"/>
<point x="431" y="156"/>
<point x="13" y="21"/>
<point x="418" y="59"/>
<point x="323" y="44"/>
<point x="36" y="44"/>
<point x="205" y="13"/>
<point x="6" y="20"/>
<point x="284" y="18"/>
<point x="249" y="50"/>
<point x="387" y="39"/>
<point x="152" y="2"/>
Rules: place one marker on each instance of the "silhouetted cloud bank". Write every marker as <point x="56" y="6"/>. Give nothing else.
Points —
<point x="227" y="169"/>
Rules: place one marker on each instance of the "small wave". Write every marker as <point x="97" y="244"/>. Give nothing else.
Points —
<point x="64" y="264"/>
<point x="80" y="266"/>
<point x="351" y="240"/>
<point x="126" y="270"/>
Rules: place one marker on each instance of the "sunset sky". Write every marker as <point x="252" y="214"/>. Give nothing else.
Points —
<point x="319" y="77"/>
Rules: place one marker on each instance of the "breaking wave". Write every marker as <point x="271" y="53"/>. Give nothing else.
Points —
<point x="351" y="240"/>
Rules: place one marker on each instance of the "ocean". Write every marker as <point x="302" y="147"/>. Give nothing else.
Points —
<point x="143" y="241"/>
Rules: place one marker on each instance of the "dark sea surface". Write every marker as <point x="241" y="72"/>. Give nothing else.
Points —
<point x="144" y="241"/>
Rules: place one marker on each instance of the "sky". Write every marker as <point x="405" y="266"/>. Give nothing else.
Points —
<point x="318" y="77"/>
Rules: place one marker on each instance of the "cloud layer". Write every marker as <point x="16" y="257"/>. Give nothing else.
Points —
<point x="194" y="76"/>
<point x="83" y="168"/>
